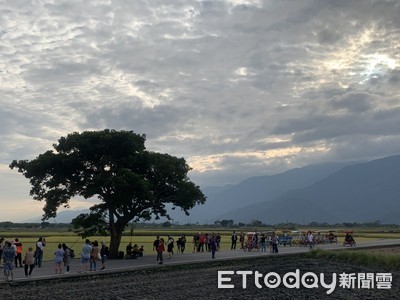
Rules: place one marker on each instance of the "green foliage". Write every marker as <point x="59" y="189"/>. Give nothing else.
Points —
<point x="256" y="223"/>
<point x="166" y="224"/>
<point x="224" y="223"/>
<point x="130" y="182"/>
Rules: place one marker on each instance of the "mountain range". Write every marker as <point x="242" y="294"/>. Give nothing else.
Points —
<point x="330" y="192"/>
<point x="363" y="192"/>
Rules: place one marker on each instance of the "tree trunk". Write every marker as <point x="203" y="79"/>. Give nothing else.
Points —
<point x="115" y="240"/>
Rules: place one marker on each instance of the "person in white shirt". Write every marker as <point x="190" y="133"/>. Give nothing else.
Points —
<point x="40" y="244"/>
<point x="310" y="239"/>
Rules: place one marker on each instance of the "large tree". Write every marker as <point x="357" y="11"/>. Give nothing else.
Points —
<point x="129" y="182"/>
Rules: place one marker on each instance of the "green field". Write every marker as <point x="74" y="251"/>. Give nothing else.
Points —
<point x="146" y="236"/>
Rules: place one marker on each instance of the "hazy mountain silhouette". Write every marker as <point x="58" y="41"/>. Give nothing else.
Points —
<point x="255" y="190"/>
<point x="361" y="192"/>
<point x="332" y="192"/>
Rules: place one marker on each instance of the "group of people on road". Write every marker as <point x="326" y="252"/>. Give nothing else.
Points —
<point x="91" y="253"/>
<point x="204" y="242"/>
<point x="201" y="242"/>
<point x="258" y="241"/>
<point x="11" y="256"/>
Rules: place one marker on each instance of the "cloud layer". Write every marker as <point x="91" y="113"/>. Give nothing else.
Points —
<point x="239" y="88"/>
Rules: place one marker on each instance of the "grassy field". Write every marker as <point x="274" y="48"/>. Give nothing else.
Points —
<point x="386" y="259"/>
<point x="146" y="237"/>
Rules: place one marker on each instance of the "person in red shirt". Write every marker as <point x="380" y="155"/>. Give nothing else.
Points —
<point x="160" y="250"/>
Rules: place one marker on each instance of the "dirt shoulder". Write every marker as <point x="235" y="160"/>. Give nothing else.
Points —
<point x="200" y="281"/>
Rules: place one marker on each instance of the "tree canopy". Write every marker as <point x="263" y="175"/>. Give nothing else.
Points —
<point x="130" y="182"/>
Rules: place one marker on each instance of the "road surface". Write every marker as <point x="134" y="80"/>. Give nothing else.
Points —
<point x="46" y="272"/>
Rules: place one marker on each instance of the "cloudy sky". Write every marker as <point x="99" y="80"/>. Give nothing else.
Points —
<point x="237" y="87"/>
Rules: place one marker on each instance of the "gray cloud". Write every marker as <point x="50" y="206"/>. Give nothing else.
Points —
<point x="238" y="88"/>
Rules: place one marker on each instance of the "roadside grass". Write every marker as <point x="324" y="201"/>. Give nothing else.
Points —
<point x="366" y="258"/>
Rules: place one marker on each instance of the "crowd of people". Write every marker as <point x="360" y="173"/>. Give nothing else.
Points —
<point x="12" y="256"/>
<point x="93" y="253"/>
<point x="202" y="242"/>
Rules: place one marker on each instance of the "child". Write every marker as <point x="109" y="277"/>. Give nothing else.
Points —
<point x="29" y="262"/>
<point x="141" y="251"/>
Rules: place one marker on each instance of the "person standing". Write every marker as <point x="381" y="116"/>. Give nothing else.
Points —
<point x="59" y="259"/>
<point x="183" y="243"/>
<point x="67" y="257"/>
<point x="263" y="243"/>
<point x="40" y="244"/>
<point x="104" y="255"/>
<point x="218" y="240"/>
<point x="178" y="245"/>
<point x="85" y="255"/>
<point x="170" y="246"/>
<point x="141" y="251"/>
<point x="155" y="245"/>
<point x="213" y="245"/>
<point x="241" y="239"/>
<point x="29" y="262"/>
<point x="8" y="261"/>
<point x="18" y="250"/>
<point x="310" y="240"/>
<point x="160" y="250"/>
<point x="2" y="245"/>
<point x="234" y="239"/>
<point x="275" y="243"/>
<point x="94" y="256"/>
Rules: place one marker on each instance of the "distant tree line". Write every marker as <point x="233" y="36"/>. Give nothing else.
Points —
<point x="7" y="225"/>
<point x="290" y="225"/>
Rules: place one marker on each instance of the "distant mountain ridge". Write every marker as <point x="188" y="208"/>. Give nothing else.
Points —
<point x="331" y="193"/>
<point x="361" y="192"/>
<point x="254" y="190"/>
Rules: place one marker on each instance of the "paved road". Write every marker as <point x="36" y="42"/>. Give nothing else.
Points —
<point x="149" y="260"/>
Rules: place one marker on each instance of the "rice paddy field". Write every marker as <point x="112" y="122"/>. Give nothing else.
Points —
<point x="146" y="236"/>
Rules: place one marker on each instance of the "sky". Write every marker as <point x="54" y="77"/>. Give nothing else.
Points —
<point x="239" y="88"/>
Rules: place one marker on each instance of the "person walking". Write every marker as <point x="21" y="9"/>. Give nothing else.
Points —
<point x="170" y="246"/>
<point x="29" y="262"/>
<point x="183" y="243"/>
<point x="160" y="250"/>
